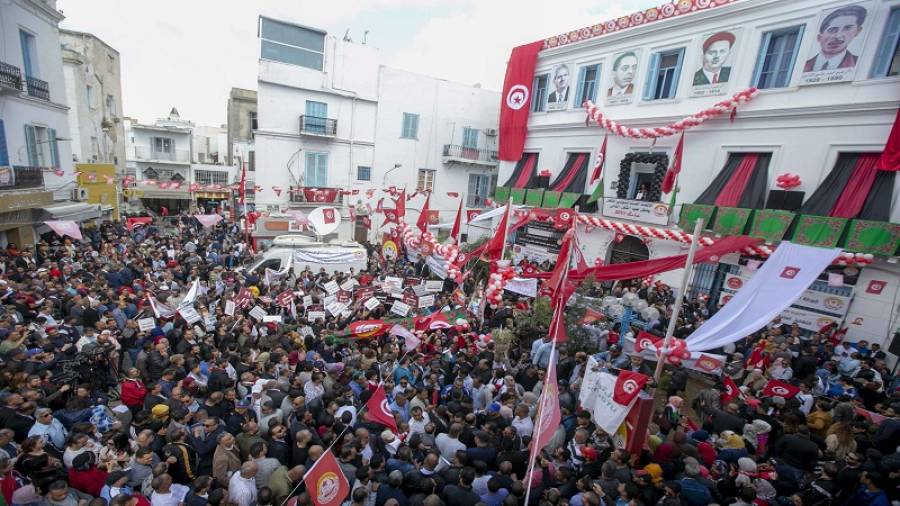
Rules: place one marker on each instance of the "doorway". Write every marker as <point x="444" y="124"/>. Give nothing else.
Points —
<point x="630" y="249"/>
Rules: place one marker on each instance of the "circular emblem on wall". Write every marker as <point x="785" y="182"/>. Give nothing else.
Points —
<point x="517" y="97"/>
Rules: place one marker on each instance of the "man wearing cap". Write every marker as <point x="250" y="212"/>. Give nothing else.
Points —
<point x="716" y="49"/>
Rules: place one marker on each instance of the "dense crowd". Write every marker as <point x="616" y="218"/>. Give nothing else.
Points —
<point x="97" y="408"/>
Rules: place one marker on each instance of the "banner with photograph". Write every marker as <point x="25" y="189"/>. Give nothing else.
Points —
<point x="622" y="79"/>
<point x="716" y="61"/>
<point x="840" y="38"/>
<point x="559" y="89"/>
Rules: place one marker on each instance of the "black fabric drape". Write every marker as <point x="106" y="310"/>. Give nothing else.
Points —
<point x="822" y="201"/>
<point x="754" y="196"/>
<point x="527" y="162"/>
<point x="570" y="161"/>
<point x="712" y="191"/>
<point x="878" y="203"/>
<point x="576" y="163"/>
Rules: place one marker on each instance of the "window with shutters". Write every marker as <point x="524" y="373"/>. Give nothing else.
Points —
<point x="665" y="70"/>
<point x="4" y="154"/>
<point x="426" y="180"/>
<point x="539" y="93"/>
<point x="316" y="171"/>
<point x="470" y="137"/>
<point x="410" y="128"/>
<point x="162" y="144"/>
<point x="363" y="173"/>
<point x="588" y="77"/>
<point x="777" y="54"/>
<point x="887" y="59"/>
<point x="479" y="190"/>
<point x="42" y="147"/>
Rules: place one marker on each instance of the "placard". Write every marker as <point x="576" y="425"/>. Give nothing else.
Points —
<point x="344" y="296"/>
<point x="392" y="284"/>
<point x="315" y="315"/>
<point x="329" y="300"/>
<point x="426" y="301"/>
<point x="410" y="299"/>
<point x="396" y="295"/>
<point x="276" y="318"/>
<point x="335" y="308"/>
<point x="420" y="290"/>
<point x="189" y="314"/>
<point x="346" y="313"/>
<point x="210" y="322"/>
<point x="307" y="300"/>
<point x="229" y="307"/>
<point x="364" y="293"/>
<point x="400" y="308"/>
<point x="371" y="303"/>
<point x="644" y="211"/>
<point x="258" y="313"/>
<point x="331" y="287"/>
<point x="349" y="285"/>
<point x="146" y="324"/>
<point x="434" y="285"/>
<point x="412" y="282"/>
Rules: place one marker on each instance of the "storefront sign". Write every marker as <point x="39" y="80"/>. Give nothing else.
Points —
<point x="836" y="305"/>
<point x="656" y="213"/>
<point x="807" y="320"/>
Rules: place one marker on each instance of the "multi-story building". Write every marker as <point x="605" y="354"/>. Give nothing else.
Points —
<point x="827" y="75"/>
<point x="36" y="172"/>
<point x="94" y="93"/>
<point x="241" y="123"/>
<point x="332" y="118"/>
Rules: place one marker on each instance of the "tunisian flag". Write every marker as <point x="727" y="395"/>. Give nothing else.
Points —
<point x="325" y="482"/>
<point x="454" y="232"/>
<point x="731" y="390"/>
<point x="672" y="174"/>
<point x="494" y="248"/>
<point x="422" y="222"/>
<point x="515" y="103"/>
<point x="780" y="388"/>
<point x="378" y="410"/>
<point x="628" y="385"/>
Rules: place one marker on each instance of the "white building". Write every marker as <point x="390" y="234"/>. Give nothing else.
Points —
<point x="36" y="167"/>
<point x="657" y="66"/>
<point x="94" y="94"/>
<point x="332" y="117"/>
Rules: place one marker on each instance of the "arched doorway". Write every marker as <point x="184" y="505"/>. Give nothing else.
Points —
<point x="630" y="249"/>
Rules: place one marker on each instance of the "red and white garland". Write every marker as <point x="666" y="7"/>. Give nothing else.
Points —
<point x="679" y="126"/>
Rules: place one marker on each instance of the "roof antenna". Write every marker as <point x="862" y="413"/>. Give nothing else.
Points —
<point x="347" y="36"/>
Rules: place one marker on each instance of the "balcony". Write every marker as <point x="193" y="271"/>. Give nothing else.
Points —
<point x="463" y="154"/>
<point x="315" y="196"/>
<point x="10" y="78"/>
<point x="21" y="177"/>
<point x="313" y="125"/>
<point x="147" y="154"/>
<point x="37" y="88"/>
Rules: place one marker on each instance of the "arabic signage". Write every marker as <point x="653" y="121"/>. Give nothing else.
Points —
<point x="644" y="211"/>
<point x="835" y="305"/>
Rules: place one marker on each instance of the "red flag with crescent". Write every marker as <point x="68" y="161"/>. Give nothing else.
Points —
<point x="780" y="388"/>
<point x="628" y="386"/>
<point x="731" y="389"/>
<point x="378" y="410"/>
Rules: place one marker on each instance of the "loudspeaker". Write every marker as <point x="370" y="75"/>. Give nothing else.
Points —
<point x="785" y="200"/>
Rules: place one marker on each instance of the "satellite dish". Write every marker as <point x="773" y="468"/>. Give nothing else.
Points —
<point x="324" y="220"/>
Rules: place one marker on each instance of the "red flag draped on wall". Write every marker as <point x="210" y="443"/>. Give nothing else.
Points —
<point x="422" y="222"/>
<point x="325" y="482"/>
<point x="672" y="174"/>
<point x="515" y="102"/>
<point x="378" y="410"/>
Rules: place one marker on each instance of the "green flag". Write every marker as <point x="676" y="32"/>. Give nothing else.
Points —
<point x="597" y="194"/>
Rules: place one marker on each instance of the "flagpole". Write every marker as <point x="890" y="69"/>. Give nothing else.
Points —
<point x="506" y="228"/>
<point x="688" y="269"/>
<point x="314" y="466"/>
<point x="535" y="451"/>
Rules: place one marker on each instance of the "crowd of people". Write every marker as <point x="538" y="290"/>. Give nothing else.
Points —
<point x="98" y="408"/>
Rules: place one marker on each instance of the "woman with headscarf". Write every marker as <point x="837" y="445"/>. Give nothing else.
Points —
<point x="756" y="434"/>
<point x="732" y="447"/>
<point x="781" y="370"/>
<point x="705" y="449"/>
<point x="665" y="456"/>
<point x="671" y="418"/>
<point x="840" y="440"/>
<point x="756" y="380"/>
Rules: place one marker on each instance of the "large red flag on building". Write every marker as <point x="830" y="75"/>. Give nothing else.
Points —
<point x="378" y="410"/>
<point x="494" y="246"/>
<point x="515" y="103"/>
<point x="325" y="482"/>
<point x="422" y="222"/>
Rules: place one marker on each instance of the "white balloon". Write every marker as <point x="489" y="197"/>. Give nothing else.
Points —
<point x="653" y="313"/>
<point x="640" y="305"/>
<point x="609" y="300"/>
<point x="629" y="298"/>
<point x="617" y="310"/>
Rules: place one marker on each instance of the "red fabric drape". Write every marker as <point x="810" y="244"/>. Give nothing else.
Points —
<point x="731" y="194"/>
<point x="890" y="157"/>
<point x="527" y="171"/>
<point x="854" y="196"/>
<point x="646" y="268"/>
<point x="515" y="103"/>
<point x="573" y="171"/>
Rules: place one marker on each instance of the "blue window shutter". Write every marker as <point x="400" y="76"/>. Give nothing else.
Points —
<point x="652" y="77"/>
<point x="760" y="58"/>
<point x="582" y="74"/>
<point x="596" y="84"/>
<point x="4" y="154"/>
<point x="677" y="75"/>
<point x="794" y="55"/>
<point x="31" y="144"/>
<point x="54" y="148"/>
<point x="887" y="46"/>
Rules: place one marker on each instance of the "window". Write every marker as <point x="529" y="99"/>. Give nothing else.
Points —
<point x="588" y="77"/>
<point x="253" y="124"/>
<point x="162" y="144"/>
<point x="111" y="106"/>
<point x="291" y="44"/>
<point x="29" y="53"/>
<point x="151" y="173"/>
<point x="887" y="59"/>
<point x="316" y="173"/>
<point x="665" y="69"/>
<point x="777" y="54"/>
<point x="42" y="147"/>
<point x="479" y="190"/>
<point x="251" y="155"/>
<point x="363" y="173"/>
<point x="426" y="180"/>
<point x="316" y="117"/>
<point x="539" y="93"/>
<point x="89" y="96"/>
<point x="410" y="129"/>
<point x="211" y="176"/>
<point x="470" y="138"/>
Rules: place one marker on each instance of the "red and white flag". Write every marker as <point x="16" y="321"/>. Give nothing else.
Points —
<point x="328" y="214"/>
<point x="548" y="414"/>
<point x="731" y="390"/>
<point x="325" y="482"/>
<point x="410" y="341"/>
<point x="628" y="385"/>
<point x="646" y="341"/>
<point x="457" y="224"/>
<point x="515" y="102"/>
<point x="780" y="388"/>
<point x="494" y="248"/>
<point x="601" y="159"/>
<point x="378" y="410"/>
<point x="422" y="222"/>
<point x="243" y="298"/>
<point x="672" y="174"/>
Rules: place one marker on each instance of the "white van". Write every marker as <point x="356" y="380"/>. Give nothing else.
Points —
<point x="301" y="252"/>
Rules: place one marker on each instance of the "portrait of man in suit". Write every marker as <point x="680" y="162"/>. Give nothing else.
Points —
<point x="836" y="32"/>
<point x="716" y="49"/>
<point x="559" y="97"/>
<point x="624" y="70"/>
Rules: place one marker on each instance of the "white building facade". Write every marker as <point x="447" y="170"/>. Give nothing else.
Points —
<point x="826" y="100"/>
<point x="332" y="119"/>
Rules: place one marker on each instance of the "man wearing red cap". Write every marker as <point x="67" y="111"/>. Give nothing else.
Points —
<point x="716" y="49"/>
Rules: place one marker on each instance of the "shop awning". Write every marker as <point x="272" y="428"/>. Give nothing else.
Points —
<point x="77" y="211"/>
<point x="165" y="194"/>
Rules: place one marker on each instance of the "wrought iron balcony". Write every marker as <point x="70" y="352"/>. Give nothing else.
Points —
<point x="37" y="88"/>
<point x="457" y="153"/>
<point x="313" y="125"/>
<point x="21" y="177"/>
<point x="10" y="77"/>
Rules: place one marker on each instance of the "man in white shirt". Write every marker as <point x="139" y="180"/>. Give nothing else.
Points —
<point x="242" y="485"/>
<point x="522" y="422"/>
<point x="166" y="493"/>
<point x="449" y="443"/>
<point x="418" y="420"/>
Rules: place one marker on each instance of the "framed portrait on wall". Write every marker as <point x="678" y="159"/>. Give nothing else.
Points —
<point x="840" y="36"/>
<point x="561" y="78"/>
<point x="714" y="70"/>
<point x="623" y="78"/>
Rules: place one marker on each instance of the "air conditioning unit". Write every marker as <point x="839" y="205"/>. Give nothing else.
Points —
<point x="490" y="132"/>
<point x="79" y="194"/>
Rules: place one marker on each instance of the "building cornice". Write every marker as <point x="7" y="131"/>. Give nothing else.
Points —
<point x="322" y="90"/>
<point x="46" y="104"/>
<point x="41" y="7"/>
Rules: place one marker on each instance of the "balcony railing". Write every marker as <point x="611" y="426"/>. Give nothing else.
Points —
<point x="313" y="125"/>
<point x="466" y="154"/>
<point x="37" y="88"/>
<point x="21" y="177"/>
<point x="147" y="153"/>
<point x="315" y="195"/>
<point x="10" y="77"/>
